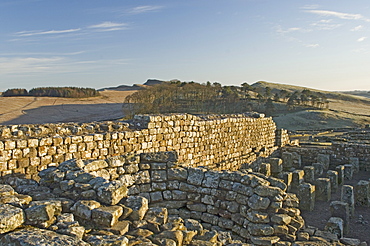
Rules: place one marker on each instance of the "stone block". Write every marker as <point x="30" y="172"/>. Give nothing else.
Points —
<point x="106" y="216"/>
<point x="307" y="196"/>
<point x="119" y="228"/>
<point x="335" y="225"/>
<point x="319" y="169"/>
<point x="265" y="169"/>
<point x="177" y="173"/>
<point x="34" y="236"/>
<point x="323" y="189"/>
<point x="324" y="160"/>
<point x="195" y="176"/>
<point x="83" y="208"/>
<point x="98" y="240"/>
<point x="256" y="216"/>
<point x="362" y="193"/>
<point x="111" y="193"/>
<point x="309" y="174"/>
<point x="348" y="172"/>
<point x="341" y="210"/>
<point x="347" y="196"/>
<point x="281" y="219"/>
<point x="265" y="240"/>
<point x="287" y="158"/>
<point x="269" y="191"/>
<point x="333" y="176"/>
<point x="139" y="206"/>
<point x="257" y="202"/>
<point x="287" y="177"/>
<point x="42" y="213"/>
<point x="276" y="165"/>
<point x="355" y="162"/>
<point x="260" y="229"/>
<point x="156" y="215"/>
<point x="297" y="178"/>
<point x="10" y="218"/>
<point x="340" y="170"/>
<point x="211" y="179"/>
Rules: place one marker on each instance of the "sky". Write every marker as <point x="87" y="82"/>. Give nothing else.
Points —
<point x="103" y="43"/>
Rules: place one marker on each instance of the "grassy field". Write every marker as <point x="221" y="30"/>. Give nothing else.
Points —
<point x="38" y="110"/>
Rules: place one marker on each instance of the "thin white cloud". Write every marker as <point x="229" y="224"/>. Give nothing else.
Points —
<point x="325" y="25"/>
<point x="280" y="30"/>
<point x="340" y="15"/>
<point x="361" y="39"/>
<point x="51" y="32"/>
<point x="313" y="6"/>
<point x="312" y="45"/>
<point x="29" y="66"/>
<point x="108" y="26"/>
<point x="357" y="28"/>
<point x="144" y="9"/>
<point x="18" y="65"/>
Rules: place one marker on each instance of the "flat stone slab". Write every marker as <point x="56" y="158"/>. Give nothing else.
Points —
<point x="34" y="236"/>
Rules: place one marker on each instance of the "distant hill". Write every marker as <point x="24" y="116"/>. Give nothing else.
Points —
<point x="149" y="82"/>
<point x="358" y="93"/>
<point x="346" y="96"/>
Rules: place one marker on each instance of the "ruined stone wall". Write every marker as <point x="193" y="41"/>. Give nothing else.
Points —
<point x="251" y="205"/>
<point x="218" y="142"/>
<point x="360" y="151"/>
<point x="340" y="154"/>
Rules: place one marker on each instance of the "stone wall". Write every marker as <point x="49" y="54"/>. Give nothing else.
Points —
<point x="214" y="141"/>
<point x="339" y="153"/>
<point x="255" y="208"/>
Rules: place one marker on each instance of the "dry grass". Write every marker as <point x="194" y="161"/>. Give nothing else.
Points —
<point x="37" y="110"/>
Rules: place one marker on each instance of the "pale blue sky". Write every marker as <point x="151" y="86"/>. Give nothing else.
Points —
<point x="103" y="43"/>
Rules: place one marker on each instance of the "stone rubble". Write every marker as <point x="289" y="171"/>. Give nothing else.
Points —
<point x="164" y="204"/>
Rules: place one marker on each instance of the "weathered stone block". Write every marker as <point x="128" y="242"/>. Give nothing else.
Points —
<point x="340" y="170"/>
<point x="319" y="169"/>
<point x="362" y="193"/>
<point x="347" y="196"/>
<point x="348" y="172"/>
<point x="333" y="176"/>
<point x="323" y="189"/>
<point x="355" y="162"/>
<point x="139" y="206"/>
<point x="260" y="229"/>
<point x="257" y="202"/>
<point x="307" y="196"/>
<point x="83" y="208"/>
<point x="256" y="216"/>
<point x="276" y="165"/>
<point x="309" y="174"/>
<point x="111" y="193"/>
<point x="335" y="225"/>
<point x="265" y="240"/>
<point x="10" y="218"/>
<point x="195" y="176"/>
<point x="34" y="236"/>
<point x="341" y="210"/>
<point x="106" y="216"/>
<point x="281" y="219"/>
<point x="324" y="160"/>
<point x="265" y="169"/>
<point x="177" y="173"/>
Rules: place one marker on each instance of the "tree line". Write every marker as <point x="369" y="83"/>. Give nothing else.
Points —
<point x="70" y="92"/>
<point x="192" y="97"/>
